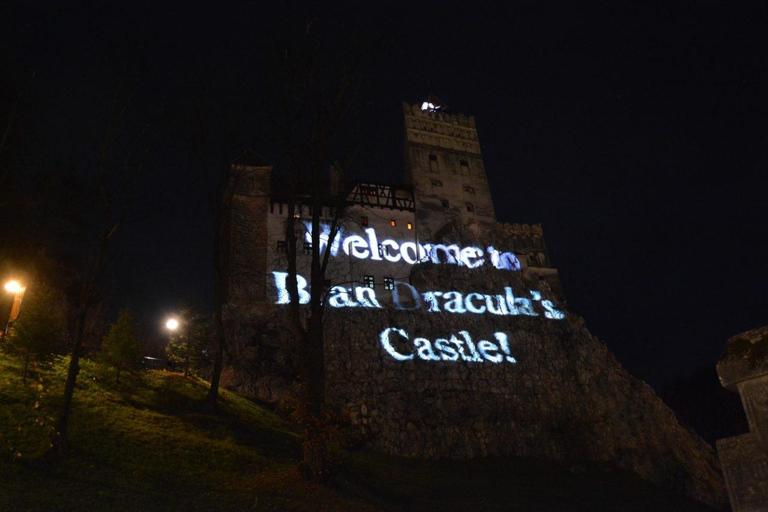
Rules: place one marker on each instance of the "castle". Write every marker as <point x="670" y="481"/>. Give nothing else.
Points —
<point x="445" y="182"/>
<point x="445" y="332"/>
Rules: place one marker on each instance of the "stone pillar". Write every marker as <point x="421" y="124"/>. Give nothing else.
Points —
<point x="743" y="368"/>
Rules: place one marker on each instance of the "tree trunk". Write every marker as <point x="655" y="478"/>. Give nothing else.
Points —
<point x="59" y="439"/>
<point x="314" y="462"/>
<point x="117" y="382"/>
<point x="186" y="361"/>
<point x="213" y="392"/>
<point x="24" y="373"/>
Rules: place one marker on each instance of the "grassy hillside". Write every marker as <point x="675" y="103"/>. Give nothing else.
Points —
<point x="149" y="446"/>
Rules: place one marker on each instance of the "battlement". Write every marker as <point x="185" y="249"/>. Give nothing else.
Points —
<point x="438" y="115"/>
<point x="439" y="129"/>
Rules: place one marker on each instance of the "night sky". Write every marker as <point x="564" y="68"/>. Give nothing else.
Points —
<point x="635" y="134"/>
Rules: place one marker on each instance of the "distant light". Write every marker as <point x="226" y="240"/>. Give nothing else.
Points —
<point x="172" y="324"/>
<point x="13" y="287"/>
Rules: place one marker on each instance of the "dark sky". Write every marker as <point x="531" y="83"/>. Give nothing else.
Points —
<point x="636" y="134"/>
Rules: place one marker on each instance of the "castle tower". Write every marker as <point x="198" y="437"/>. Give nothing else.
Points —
<point x="444" y="165"/>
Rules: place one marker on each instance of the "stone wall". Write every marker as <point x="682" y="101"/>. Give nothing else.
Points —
<point x="566" y="397"/>
<point x="743" y="368"/>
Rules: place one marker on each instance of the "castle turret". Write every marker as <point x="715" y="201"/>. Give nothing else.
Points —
<point x="444" y="165"/>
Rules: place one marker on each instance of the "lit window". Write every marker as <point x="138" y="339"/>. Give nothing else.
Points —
<point x="393" y="223"/>
<point x="281" y="246"/>
<point x="444" y="202"/>
<point x="381" y="251"/>
<point x="470" y="208"/>
<point x="469" y="189"/>
<point x="437" y="183"/>
<point x="307" y="247"/>
<point x="410" y="226"/>
<point x="363" y="221"/>
<point x="389" y="283"/>
<point x="369" y="281"/>
<point x="369" y="191"/>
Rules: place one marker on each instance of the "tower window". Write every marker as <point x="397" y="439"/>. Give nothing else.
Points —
<point x="444" y="202"/>
<point x="469" y="189"/>
<point x="437" y="183"/>
<point x="393" y="223"/>
<point x="470" y="208"/>
<point x="369" y="281"/>
<point x="363" y="221"/>
<point x="410" y="226"/>
<point x="281" y="246"/>
<point x="464" y="168"/>
<point x="307" y="247"/>
<point x="433" y="164"/>
<point x="389" y="283"/>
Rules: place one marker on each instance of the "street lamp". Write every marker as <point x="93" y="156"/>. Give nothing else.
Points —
<point x="172" y="325"/>
<point x="18" y="290"/>
<point x="13" y="286"/>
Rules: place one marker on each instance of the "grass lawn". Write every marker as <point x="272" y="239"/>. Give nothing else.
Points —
<point x="150" y="446"/>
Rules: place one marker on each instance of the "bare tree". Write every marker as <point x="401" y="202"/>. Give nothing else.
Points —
<point x="315" y="102"/>
<point x="118" y="176"/>
<point x="214" y="148"/>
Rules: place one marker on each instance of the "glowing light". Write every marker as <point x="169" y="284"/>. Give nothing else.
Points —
<point x="172" y="324"/>
<point x="13" y="287"/>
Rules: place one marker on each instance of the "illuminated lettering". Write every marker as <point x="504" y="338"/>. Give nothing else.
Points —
<point x="501" y="337"/>
<point x="500" y="308"/>
<point x="551" y="312"/>
<point x="395" y="256"/>
<point x="451" y="253"/>
<point x="447" y="352"/>
<point x="356" y="246"/>
<point x="488" y="349"/>
<point x="451" y="350"/>
<point x="339" y="298"/>
<point x="454" y="304"/>
<point x="396" y="296"/>
<point x="283" y="295"/>
<point x="431" y="299"/>
<point x="366" y="297"/>
<point x="473" y="355"/>
<point x="452" y="301"/>
<point x="373" y="244"/>
<point x="472" y="253"/>
<point x="387" y="344"/>
<point x="503" y="260"/>
<point x="471" y="307"/>
<point x="424" y="349"/>
<point x="405" y="248"/>
<point x="519" y="305"/>
<point x="409" y="252"/>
